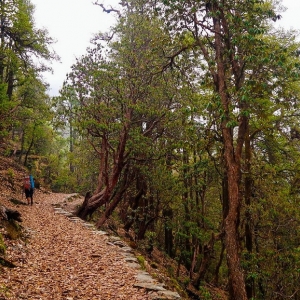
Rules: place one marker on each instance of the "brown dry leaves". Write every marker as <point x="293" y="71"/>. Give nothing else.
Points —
<point x="64" y="260"/>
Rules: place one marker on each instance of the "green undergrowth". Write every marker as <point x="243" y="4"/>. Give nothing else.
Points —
<point x="2" y="245"/>
<point x="13" y="229"/>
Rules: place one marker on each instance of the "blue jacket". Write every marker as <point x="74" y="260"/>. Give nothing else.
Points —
<point x="31" y="181"/>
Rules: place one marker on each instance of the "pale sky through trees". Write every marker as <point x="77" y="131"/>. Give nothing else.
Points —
<point x="72" y="23"/>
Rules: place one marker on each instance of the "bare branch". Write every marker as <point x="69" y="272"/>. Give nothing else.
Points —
<point x="111" y="9"/>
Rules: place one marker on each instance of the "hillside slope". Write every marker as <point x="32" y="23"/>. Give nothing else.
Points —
<point x="58" y="257"/>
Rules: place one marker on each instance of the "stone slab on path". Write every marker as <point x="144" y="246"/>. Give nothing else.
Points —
<point x="143" y="279"/>
<point x="62" y="259"/>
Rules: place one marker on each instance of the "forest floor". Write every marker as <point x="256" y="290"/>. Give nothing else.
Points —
<point x="61" y="259"/>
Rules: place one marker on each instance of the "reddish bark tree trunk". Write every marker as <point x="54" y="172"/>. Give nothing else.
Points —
<point x="108" y="180"/>
<point x="231" y="223"/>
<point x="248" y="225"/>
<point x="232" y="157"/>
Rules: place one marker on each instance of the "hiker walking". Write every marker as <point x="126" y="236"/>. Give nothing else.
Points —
<point x="29" y="188"/>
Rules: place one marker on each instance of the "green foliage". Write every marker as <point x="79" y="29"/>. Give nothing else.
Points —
<point x="205" y="293"/>
<point x="141" y="261"/>
<point x="156" y="93"/>
<point x="13" y="229"/>
<point x="10" y="176"/>
<point x="23" y="53"/>
<point x="5" y="107"/>
<point x="5" y="290"/>
<point x="2" y="245"/>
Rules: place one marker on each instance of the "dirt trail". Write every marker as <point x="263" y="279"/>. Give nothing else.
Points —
<point x="64" y="260"/>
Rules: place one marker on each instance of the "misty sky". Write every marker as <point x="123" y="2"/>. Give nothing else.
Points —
<point x="72" y="23"/>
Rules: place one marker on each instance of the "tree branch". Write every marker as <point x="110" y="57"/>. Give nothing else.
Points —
<point x="108" y="10"/>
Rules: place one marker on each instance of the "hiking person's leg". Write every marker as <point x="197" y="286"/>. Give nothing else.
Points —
<point x="27" y="195"/>
<point x="31" y="196"/>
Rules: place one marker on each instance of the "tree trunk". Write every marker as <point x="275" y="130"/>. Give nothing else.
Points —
<point x="22" y="146"/>
<point x="90" y="205"/>
<point x="134" y="205"/>
<point x="143" y="228"/>
<point x="219" y="264"/>
<point x="28" y="151"/>
<point x="71" y="145"/>
<point x="232" y="158"/>
<point x="187" y="212"/>
<point x="116" y="199"/>
<point x="168" y="216"/>
<point x="107" y="180"/>
<point x="207" y="256"/>
<point x="109" y="209"/>
<point x="10" y="84"/>
<point x="248" y="225"/>
<point x="2" y="41"/>
<point x="194" y="260"/>
<point x="141" y="187"/>
<point x="236" y="276"/>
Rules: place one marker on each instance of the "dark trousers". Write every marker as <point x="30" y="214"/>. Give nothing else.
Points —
<point x="29" y="194"/>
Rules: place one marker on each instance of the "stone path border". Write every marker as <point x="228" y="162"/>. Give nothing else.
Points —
<point x="144" y="280"/>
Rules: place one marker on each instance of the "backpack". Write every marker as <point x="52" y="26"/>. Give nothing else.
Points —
<point x="31" y="181"/>
<point x="26" y="183"/>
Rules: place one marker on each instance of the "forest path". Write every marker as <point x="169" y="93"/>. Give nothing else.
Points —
<point x="62" y="259"/>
